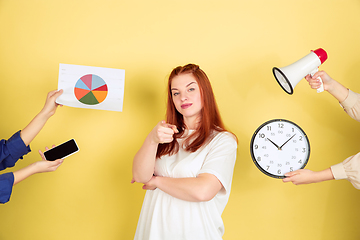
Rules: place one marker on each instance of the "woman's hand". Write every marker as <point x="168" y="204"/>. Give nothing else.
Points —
<point x="150" y="185"/>
<point x="37" y="167"/>
<point x="315" y="83"/>
<point x="301" y="176"/>
<point x="163" y="132"/>
<point x="35" y="126"/>
<point x="50" y="104"/>
<point x="335" y="88"/>
<point x="45" y="165"/>
<point x="306" y="176"/>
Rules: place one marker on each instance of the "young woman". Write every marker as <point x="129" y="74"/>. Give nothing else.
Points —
<point x="186" y="164"/>
<point x="13" y="149"/>
<point x="348" y="169"/>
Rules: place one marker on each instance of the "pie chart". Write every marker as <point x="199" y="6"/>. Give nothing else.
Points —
<point x="90" y="89"/>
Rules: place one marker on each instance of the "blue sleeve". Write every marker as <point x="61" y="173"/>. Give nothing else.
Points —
<point x="12" y="150"/>
<point x="6" y="184"/>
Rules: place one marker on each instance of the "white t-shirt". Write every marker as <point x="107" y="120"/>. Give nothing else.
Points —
<point x="164" y="217"/>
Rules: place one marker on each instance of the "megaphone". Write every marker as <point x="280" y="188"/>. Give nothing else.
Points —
<point x="291" y="75"/>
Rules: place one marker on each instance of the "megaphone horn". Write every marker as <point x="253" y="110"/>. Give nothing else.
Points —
<point x="291" y="75"/>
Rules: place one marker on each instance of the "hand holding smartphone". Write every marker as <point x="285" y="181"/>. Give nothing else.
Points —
<point x="62" y="151"/>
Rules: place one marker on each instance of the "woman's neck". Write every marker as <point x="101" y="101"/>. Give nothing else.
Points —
<point x="192" y="123"/>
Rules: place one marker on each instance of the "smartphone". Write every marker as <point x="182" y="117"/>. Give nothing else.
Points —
<point x="62" y="151"/>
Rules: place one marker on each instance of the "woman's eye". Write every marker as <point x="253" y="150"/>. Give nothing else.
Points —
<point x="191" y="89"/>
<point x="175" y="94"/>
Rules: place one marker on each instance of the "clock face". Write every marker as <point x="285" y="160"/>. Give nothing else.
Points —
<point x="279" y="146"/>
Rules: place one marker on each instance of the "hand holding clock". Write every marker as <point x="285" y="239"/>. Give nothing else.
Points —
<point x="306" y="176"/>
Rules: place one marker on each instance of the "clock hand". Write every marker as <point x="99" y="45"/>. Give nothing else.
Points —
<point x="274" y="144"/>
<point x="287" y="141"/>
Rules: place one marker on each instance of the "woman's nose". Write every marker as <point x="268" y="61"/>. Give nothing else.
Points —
<point x="184" y="97"/>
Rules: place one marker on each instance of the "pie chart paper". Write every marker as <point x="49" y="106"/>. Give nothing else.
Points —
<point x="91" y="87"/>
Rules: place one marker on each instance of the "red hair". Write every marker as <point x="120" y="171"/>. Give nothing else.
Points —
<point x="210" y="121"/>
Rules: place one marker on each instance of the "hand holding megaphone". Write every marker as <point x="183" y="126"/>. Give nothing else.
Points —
<point x="318" y="80"/>
<point x="288" y="77"/>
<point x="321" y="88"/>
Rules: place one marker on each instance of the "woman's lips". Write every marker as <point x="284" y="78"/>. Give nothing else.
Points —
<point x="184" y="106"/>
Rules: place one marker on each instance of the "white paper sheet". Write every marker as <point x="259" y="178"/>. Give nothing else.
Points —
<point x="91" y="87"/>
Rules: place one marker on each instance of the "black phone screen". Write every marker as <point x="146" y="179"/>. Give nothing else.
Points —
<point x="61" y="151"/>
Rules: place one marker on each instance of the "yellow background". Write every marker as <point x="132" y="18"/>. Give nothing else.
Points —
<point x="236" y="43"/>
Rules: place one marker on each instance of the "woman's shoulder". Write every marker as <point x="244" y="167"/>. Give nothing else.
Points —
<point x="224" y="137"/>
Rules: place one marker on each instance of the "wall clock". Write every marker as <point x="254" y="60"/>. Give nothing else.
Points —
<point x="279" y="146"/>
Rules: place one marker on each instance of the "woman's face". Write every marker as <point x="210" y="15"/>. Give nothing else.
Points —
<point x="187" y="97"/>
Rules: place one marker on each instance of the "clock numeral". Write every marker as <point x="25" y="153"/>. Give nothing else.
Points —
<point x="281" y="125"/>
<point x="296" y="149"/>
<point x="287" y="163"/>
<point x="293" y="130"/>
<point x="304" y="150"/>
<point x="280" y="132"/>
<point x="267" y="167"/>
<point x="263" y="147"/>
<point x="279" y="165"/>
<point x="300" y="161"/>
<point x="294" y="141"/>
<point x="268" y="128"/>
<point x="262" y="135"/>
<point x="266" y="155"/>
<point x="279" y="171"/>
<point x="256" y="146"/>
<point x="293" y="157"/>
<point x="271" y="162"/>
<point x="288" y="135"/>
<point x="291" y="169"/>
<point x="258" y="159"/>
<point x="300" y="138"/>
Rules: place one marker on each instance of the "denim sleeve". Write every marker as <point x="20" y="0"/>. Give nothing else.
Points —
<point x="6" y="184"/>
<point x="12" y="150"/>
